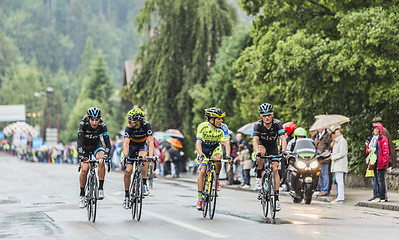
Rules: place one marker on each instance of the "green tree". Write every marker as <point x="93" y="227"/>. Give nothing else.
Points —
<point x="182" y="44"/>
<point x="339" y="57"/>
<point x="9" y="54"/>
<point x="219" y="90"/>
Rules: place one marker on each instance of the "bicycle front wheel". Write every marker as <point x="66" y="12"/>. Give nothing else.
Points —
<point x="150" y="175"/>
<point x="139" y="198"/>
<point x="273" y="195"/>
<point x="205" y="196"/>
<point x="264" y="195"/>
<point x="94" y="199"/>
<point x="212" y="195"/>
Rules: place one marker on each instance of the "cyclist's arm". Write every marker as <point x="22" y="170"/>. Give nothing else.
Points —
<point x="126" y="142"/>
<point x="150" y="142"/>
<point x="198" y="147"/>
<point x="80" y="138"/>
<point x="227" y="147"/>
<point x="283" y="140"/>
<point x="256" y="144"/>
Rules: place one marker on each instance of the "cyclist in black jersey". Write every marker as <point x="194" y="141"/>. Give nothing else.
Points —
<point x="265" y="135"/>
<point x="138" y="140"/>
<point x="89" y="142"/>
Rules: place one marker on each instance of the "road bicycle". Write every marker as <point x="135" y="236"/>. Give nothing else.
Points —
<point x="209" y="193"/>
<point x="136" y="187"/>
<point x="91" y="188"/>
<point x="268" y="193"/>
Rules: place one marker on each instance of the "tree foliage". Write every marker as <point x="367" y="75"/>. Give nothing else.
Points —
<point x="183" y="38"/>
<point x="313" y="57"/>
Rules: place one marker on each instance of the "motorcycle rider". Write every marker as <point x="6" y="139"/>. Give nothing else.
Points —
<point x="298" y="134"/>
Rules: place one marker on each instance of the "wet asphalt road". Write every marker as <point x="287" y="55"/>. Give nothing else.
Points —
<point x="39" y="201"/>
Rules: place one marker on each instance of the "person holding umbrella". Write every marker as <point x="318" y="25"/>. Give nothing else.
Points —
<point x="174" y="153"/>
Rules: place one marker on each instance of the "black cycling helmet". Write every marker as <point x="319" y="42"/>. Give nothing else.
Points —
<point x="265" y="108"/>
<point x="94" y="112"/>
<point x="214" y="113"/>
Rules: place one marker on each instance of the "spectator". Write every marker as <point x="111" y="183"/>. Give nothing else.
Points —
<point x="322" y="142"/>
<point x="378" y="150"/>
<point x="245" y="157"/>
<point x="392" y="151"/>
<point x="175" y="156"/>
<point x="339" y="162"/>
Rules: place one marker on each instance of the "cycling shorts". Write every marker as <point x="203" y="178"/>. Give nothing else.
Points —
<point x="272" y="150"/>
<point x="93" y="149"/>
<point x="210" y="152"/>
<point x="135" y="149"/>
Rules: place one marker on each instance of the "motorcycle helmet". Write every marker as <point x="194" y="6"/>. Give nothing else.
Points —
<point x="300" y="132"/>
<point x="289" y="127"/>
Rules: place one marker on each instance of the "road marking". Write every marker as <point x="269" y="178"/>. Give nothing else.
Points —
<point x="188" y="226"/>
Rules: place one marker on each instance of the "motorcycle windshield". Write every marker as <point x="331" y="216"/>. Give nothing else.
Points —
<point x="305" y="147"/>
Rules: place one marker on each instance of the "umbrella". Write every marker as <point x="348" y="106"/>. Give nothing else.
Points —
<point x="247" y="129"/>
<point x="233" y="137"/>
<point x="159" y="136"/>
<point x="325" y="121"/>
<point x="174" y="133"/>
<point x="20" y="127"/>
<point x="174" y="142"/>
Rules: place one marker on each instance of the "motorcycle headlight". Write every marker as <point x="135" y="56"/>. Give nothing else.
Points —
<point x="300" y="164"/>
<point x="314" y="164"/>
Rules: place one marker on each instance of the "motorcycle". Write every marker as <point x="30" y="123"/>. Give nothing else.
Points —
<point x="304" y="170"/>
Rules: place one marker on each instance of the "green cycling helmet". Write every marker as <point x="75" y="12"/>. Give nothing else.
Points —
<point x="300" y="132"/>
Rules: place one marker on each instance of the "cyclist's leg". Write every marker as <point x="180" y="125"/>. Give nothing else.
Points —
<point x="259" y="168"/>
<point x="129" y="168"/>
<point x="99" y="153"/>
<point x="218" y="154"/>
<point x="276" y="175"/>
<point x="84" y="170"/>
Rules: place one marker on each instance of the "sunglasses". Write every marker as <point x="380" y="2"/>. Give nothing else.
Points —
<point x="95" y="119"/>
<point x="266" y="115"/>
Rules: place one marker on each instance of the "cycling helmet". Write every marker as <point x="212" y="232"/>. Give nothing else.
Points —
<point x="289" y="127"/>
<point x="94" y="112"/>
<point x="265" y="108"/>
<point x="214" y="113"/>
<point x="300" y="132"/>
<point x="135" y="114"/>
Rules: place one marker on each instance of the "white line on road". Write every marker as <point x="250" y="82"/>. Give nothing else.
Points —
<point x="188" y="226"/>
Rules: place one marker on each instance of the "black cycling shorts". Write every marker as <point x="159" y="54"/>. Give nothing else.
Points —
<point x="93" y="149"/>
<point x="134" y="150"/>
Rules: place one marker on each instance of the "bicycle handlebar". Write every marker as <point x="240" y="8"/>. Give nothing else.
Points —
<point x="272" y="156"/>
<point x="88" y="160"/>
<point x="215" y="160"/>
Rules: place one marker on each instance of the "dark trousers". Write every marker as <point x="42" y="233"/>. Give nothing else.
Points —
<point x="247" y="177"/>
<point x="378" y="182"/>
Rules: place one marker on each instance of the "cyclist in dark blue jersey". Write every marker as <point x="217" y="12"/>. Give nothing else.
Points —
<point x="89" y="142"/>
<point x="138" y="141"/>
<point x="266" y="133"/>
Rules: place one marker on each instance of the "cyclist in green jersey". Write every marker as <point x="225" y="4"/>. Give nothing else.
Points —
<point x="210" y="134"/>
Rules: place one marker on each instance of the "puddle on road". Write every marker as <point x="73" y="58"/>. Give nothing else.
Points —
<point x="28" y="225"/>
<point x="258" y="219"/>
<point x="9" y="201"/>
<point x="48" y="203"/>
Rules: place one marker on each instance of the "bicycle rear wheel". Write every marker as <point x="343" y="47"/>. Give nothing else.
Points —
<point x="264" y="195"/>
<point x="212" y="195"/>
<point x="273" y="195"/>
<point x="205" y="196"/>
